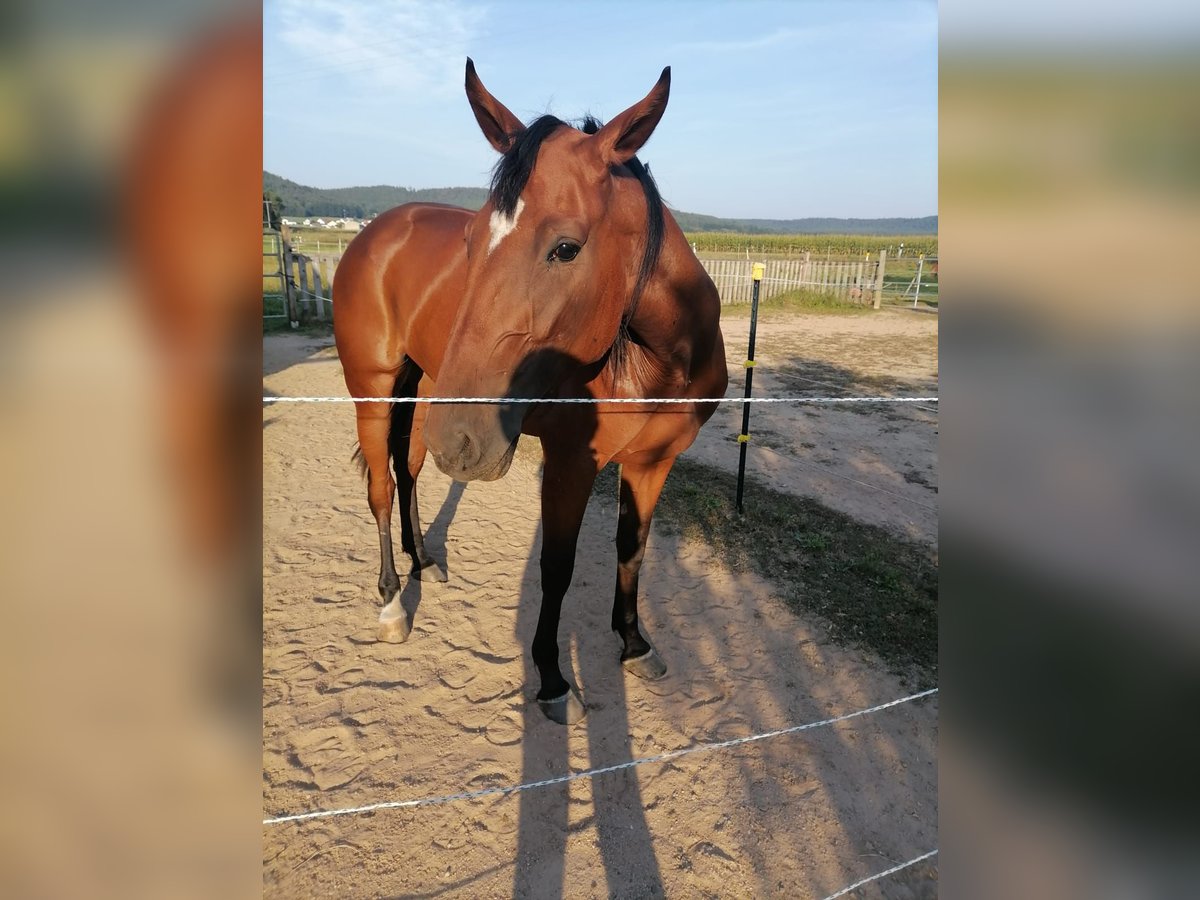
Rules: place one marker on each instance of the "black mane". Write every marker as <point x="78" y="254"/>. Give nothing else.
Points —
<point x="516" y="164"/>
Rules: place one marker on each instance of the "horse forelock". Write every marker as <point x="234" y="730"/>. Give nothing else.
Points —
<point x="516" y="164"/>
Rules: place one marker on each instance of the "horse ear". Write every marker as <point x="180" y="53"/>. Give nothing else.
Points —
<point x="499" y="125"/>
<point x="619" y="140"/>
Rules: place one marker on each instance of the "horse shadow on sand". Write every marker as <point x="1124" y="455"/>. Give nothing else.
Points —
<point x="779" y="777"/>
<point x="706" y="643"/>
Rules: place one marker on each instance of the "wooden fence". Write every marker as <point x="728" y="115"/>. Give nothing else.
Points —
<point x="862" y="280"/>
<point x="309" y="280"/>
<point x="302" y="283"/>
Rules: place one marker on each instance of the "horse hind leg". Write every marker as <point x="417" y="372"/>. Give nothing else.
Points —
<point x="408" y="456"/>
<point x="641" y="486"/>
<point x="374" y="421"/>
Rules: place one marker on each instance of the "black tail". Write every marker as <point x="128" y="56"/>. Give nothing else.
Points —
<point x="400" y="431"/>
<point x="359" y="460"/>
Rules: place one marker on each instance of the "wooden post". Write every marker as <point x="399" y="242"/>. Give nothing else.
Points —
<point x="289" y="288"/>
<point x="305" y="294"/>
<point x="879" y="278"/>
<point x="318" y="291"/>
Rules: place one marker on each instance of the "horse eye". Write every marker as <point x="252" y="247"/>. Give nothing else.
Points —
<point x="564" y="252"/>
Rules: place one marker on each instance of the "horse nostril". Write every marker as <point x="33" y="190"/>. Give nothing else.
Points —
<point x="467" y="451"/>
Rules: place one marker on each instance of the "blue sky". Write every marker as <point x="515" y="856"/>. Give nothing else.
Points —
<point x="778" y="109"/>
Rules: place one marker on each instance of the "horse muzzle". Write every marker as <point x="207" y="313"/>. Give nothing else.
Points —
<point x="465" y="456"/>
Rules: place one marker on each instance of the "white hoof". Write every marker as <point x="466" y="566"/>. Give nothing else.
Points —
<point x="393" y="623"/>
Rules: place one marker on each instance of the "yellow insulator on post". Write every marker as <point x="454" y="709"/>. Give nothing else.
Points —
<point x="757" y="270"/>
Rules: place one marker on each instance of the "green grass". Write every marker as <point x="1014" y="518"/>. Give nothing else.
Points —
<point x="868" y="588"/>
<point x="801" y="300"/>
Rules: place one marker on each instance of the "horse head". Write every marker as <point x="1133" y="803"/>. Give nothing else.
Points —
<point x="552" y="269"/>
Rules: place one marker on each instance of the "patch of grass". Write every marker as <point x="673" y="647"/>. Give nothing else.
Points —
<point x="869" y="588"/>
<point x="307" y="326"/>
<point x="802" y="300"/>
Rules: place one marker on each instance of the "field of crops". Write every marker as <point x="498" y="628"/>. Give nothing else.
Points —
<point x="320" y="240"/>
<point x="821" y="244"/>
<point x="314" y="240"/>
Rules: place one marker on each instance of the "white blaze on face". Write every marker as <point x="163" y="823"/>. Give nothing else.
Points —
<point x="501" y="226"/>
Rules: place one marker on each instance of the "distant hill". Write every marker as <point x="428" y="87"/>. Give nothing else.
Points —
<point x="364" y="202"/>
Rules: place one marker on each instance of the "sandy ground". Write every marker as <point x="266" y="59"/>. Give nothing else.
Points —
<point x="348" y="721"/>
<point x="877" y="464"/>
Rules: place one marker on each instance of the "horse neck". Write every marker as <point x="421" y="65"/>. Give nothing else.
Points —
<point x="646" y="359"/>
<point x="660" y="314"/>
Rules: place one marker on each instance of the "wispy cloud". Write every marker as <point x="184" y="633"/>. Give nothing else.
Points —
<point x="402" y="46"/>
<point x="780" y="36"/>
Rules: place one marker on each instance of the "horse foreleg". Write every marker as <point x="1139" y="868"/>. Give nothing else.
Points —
<point x="641" y="486"/>
<point x="566" y="485"/>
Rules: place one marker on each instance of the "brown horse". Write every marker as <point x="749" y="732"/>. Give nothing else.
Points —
<point x="572" y="281"/>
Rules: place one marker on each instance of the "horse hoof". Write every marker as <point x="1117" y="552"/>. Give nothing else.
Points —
<point x="565" y="710"/>
<point x="431" y="571"/>
<point x="649" y="666"/>
<point x="393" y="624"/>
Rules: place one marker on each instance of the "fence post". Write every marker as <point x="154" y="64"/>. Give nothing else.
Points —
<point x="318" y="291"/>
<point x="879" y="278"/>
<point x="289" y="287"/>
<point x="920" y="267"/>
<point x="302" y="265"/>
<point x="756" y="275"/>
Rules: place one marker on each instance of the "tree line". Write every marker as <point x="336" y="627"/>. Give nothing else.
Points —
<point x="299" y="200"/>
